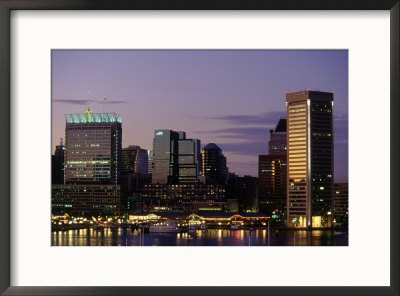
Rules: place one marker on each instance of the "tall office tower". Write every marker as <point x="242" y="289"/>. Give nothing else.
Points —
<point x="310" y="159"/>
<point x="57" y="165"/>
<point x="272" y="186"/>
<point x="165" y="161"/>
<point x="214" y="164"/>
<point x="189" y="160"/>
<point x="277" y="143"/>
<point x="93" y="148"/>
<point x="341" y="204"/>
<point x="134" y="160"/>
<point x="150" y="157"/>
<point x="92" y="165"/>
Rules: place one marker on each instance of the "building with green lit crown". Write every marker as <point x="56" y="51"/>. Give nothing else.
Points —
<point x="93" y="144"/>
<point x="92" y="159"/>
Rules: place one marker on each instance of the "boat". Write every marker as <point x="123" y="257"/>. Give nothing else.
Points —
<point x="164" y="227"/>
<point x="203" y="226"/>
<point x="192" y="229"/>
<point x="235" y="225"/>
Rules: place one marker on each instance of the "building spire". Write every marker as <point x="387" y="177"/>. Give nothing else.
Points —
<point x="88" y="111"/>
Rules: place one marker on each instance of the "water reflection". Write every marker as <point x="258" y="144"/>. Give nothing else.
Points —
<point x="210" y="237"/>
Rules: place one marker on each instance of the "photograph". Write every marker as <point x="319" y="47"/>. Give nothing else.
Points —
<point x="199" y="148"/>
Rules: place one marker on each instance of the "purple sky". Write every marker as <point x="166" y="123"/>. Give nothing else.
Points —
<point x="231" y="98"/>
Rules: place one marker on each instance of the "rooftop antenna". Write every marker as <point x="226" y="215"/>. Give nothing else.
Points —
<point x="88" y="104"/>
<point x="61" y="141"/>
<point x="104" y="103"/>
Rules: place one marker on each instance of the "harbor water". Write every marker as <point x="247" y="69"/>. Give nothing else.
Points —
<point x="209" y="237"/>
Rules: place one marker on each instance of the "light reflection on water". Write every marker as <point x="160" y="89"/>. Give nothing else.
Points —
<point x="210" y="237"/>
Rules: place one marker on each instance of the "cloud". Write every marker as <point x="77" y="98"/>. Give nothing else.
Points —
<point x="240" y="133"/>
<point x="73" y="102"/>
<point x="247" y="148"/>
<point x="262" y="118"/>
<point x="182" y="89"/>
<point x="85" y="101"/>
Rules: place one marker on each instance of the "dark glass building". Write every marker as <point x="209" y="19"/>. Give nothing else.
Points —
<point x="341" y="204"/>
<point x="165" y="162"/>
<point x="57" y="165"/>
<point x="134" y="160"/>
<point x="189" y="160"/>
<point x="176" y="159"/>
<point x="214" y="164"/>
<point x="310" y="159"/>
<point x="272" y="186"/>
<point x="244" y="190"/>
<point x="277" y="144"/>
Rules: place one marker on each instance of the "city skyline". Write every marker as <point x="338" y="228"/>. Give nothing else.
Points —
<point x="225" y="97"/>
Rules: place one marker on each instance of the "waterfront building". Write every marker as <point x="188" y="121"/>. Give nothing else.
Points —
<point x="214" y="164"/>
<point x="272" y="186"/>
<point x="93" y="148"/>
<point x="86" y="199"/>
<point x="57" y="165"/>
<point x="134" y="160"/>
<point x="191" y="197"/>
<point x="310" y="159"/>
<point x="165" y="161"/>
<point x="341" y="204"/>
<point x="277" y="144"/>
<point x="132" y="186"/>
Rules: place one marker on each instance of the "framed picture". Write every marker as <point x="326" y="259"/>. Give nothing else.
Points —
<point x="204" y="148"/>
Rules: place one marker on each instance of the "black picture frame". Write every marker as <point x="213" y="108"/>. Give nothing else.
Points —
<point x="6" y="6"/>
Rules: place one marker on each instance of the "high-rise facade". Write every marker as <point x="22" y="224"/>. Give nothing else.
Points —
<point x="150" y="162"/>
<point x="341" y="204"/>
<point x="134" y="160"/>
<point x="92" y="165"/>
<point x="57" y="165"/>
<point x="272" y="171"/>
<point x="165" y="162"/>
<point x="214" y="164"/>
<point x="176" y="159"/>
<point x="189" y="160"/>
<point x="93" y="148"/>
<point x="272" y="186"/>
<point x="277" y="144"/>
<point x="310" y="159"/>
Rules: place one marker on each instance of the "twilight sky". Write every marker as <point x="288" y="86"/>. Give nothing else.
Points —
<point x="231" y="98"/>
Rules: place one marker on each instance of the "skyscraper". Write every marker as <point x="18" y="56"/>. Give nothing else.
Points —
<point x="134" y="160"/>
<point x="272" y="186"/>
<point x="310" y="159"/>
<point x="277" y="144"/>
<point x="165" y="161"/>
<point x="341" y="204"/>
<point x="57" y="165"/>
<point x="272" y="171"/>
<point x="93" y="148"/>
<point x="189" y="160"/>
<point x="92" y="165"/>
<point x="214" y="164"/>
<point x="150" y="162"/>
